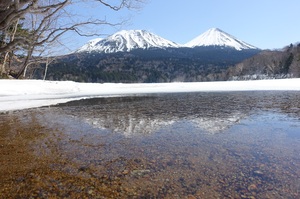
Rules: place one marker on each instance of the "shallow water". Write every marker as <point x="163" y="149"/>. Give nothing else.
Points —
<point x="188" y="145"/>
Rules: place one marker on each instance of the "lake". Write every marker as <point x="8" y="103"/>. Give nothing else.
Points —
<point x="187" y="145"/>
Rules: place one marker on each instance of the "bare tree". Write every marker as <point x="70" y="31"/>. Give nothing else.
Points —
<point x="41" y="20"/>
<point x="6" y="54"/>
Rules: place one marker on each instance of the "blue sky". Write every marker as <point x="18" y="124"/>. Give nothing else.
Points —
<point x="267" y="24"/>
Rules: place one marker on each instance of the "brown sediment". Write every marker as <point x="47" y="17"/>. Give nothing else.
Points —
<point x="16" y="155"/>
<point x="28" y="169"/>
<point x="38" y="159"/>
<point x="15" y="139"/>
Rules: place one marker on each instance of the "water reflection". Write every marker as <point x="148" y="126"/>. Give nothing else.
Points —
<point x="203" y="145"/>
<point x="209" y="112"/>
<point x="192" y="145"/>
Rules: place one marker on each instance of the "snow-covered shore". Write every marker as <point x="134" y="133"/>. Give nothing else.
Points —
<point x="22" y="94"/>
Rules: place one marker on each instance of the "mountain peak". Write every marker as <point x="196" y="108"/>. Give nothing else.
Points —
<point x="127" y="40"/>
<point x="215" y="29"/>
<point x="217" y="37"/>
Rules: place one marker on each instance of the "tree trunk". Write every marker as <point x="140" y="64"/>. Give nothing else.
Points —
<point x="25" y="64"/>
<point x="46" y="69"/>
<point x="2" y="69"/>
<point x="6" y="56"/>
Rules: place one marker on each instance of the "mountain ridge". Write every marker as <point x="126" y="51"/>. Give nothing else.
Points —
<point x="128" y="40"/>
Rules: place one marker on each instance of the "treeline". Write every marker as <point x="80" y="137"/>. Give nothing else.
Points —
<point x="169" y="65"/>
<point x="268" y="64"/>
<point x="155" y="65"/>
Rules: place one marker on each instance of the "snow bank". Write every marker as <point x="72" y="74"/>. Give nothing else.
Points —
<point x="22" y="94"/>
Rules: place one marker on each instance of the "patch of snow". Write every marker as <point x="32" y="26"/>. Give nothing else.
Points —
<point x="22" y="94"/>
<point x="261" y="77"/>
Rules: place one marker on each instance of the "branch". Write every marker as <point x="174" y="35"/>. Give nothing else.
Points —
<point x="52" y="36"/>
<point x="44" y="9"/>
<point x="115" y="8"/>
<point x="12" y="13"/>
<point x="57" y="8"/>
<point x="16" y="42"/>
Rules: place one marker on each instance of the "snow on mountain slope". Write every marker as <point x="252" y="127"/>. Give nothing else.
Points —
<point x="217" y="37"/>
<point x="127" y="40"/>
<point x="90" y="45"/>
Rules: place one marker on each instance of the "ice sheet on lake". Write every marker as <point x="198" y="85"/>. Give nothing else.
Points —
<point x="22" y="94"/>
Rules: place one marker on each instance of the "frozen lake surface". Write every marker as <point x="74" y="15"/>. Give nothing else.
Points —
<point x="185" y="145"/>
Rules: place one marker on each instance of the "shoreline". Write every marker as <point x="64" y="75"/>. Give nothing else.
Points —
<point x="24" y="94"/>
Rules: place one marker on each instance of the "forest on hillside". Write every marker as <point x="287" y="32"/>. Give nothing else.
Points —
<point x="171" y="65"/>
<point x="154" y="65"/>
<point x="268" y="64"/>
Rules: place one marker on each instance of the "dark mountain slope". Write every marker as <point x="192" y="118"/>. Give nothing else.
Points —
<point x="152" y="65"/>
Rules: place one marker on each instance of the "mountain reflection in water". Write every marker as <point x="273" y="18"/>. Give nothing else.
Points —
<point x="188" y="145"/>
<point x="209" y="112"/>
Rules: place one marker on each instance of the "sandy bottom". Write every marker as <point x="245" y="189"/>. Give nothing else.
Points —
<point x="50" y="153"/>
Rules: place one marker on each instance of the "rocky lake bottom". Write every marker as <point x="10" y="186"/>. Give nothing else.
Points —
<point x="188" y="145"/>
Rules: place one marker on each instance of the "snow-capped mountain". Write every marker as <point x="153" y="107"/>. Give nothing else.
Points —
<point x="127" y="40"/>
<point x="217" y="37"/>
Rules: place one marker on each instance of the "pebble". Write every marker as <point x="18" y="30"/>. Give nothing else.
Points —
<point x="125" y="172"/>
<point x="90" y="192"/>
<point x="191" y="197"/>
<point x="252" y="187"/>
<point x="258" y="172"/>
<point x="140" y="172"/>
